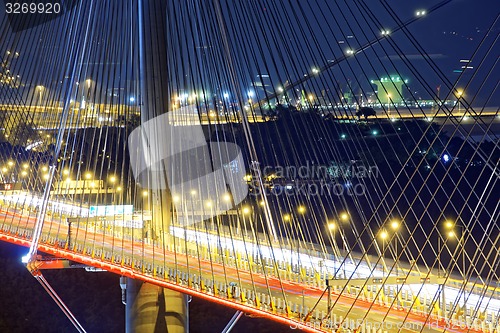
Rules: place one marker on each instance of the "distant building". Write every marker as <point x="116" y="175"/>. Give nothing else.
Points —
<point x="390" y="89"/>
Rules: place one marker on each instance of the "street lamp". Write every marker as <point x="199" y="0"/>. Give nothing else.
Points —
<point x="246" y="212"/>
<point x="395" y="226"/>
<point x="389" y="104"/>
<point x="383" y="236"/>
<point x="344" y="217"/>
<point x="332" y="226"/>
<point x="209" y="205"/>
<point x="40" y="89"/>
<point x="118" y="189"/>
<point x="302" y="210"/>
<point x="459" y="95"/>
<point x="453" y="235"/>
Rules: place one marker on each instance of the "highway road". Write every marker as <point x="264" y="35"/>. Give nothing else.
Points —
<point x="218" y="272"/>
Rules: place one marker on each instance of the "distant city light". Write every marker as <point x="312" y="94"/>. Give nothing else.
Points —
<point x="446" y="158"/>
<point x="226" y="95"/>
<point x="132" y="99"/>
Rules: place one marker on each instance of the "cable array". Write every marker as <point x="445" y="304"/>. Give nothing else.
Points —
<point x="247" y="149"/>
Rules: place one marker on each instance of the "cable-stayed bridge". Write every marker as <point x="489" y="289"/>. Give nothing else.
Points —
<point x="270" y="156"/>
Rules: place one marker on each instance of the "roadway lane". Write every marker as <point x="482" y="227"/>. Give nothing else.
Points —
<point x="219" y="273"/>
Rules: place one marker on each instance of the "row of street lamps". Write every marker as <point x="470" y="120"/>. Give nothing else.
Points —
<point x="449" y="232"/>
<point x="384" y="234"/>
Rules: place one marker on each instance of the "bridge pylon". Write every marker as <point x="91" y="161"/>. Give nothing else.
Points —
<point x="151" y="309"/>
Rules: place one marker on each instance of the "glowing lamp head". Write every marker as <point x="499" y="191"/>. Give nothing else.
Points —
<point x="394" y="225"/>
